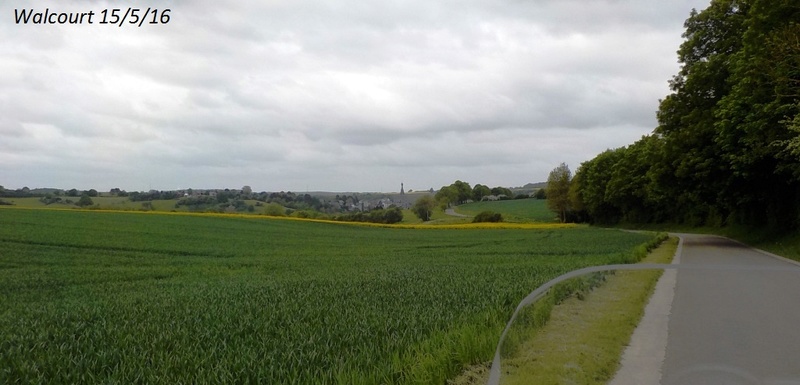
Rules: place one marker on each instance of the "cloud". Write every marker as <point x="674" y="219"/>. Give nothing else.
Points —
<point x="341" y="95"/>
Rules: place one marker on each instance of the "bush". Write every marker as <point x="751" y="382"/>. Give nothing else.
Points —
<point x="388" y="216"/>
<point x="275" y="210"/>
<point x="488" y="216"/>
<point x="85" y="201"/>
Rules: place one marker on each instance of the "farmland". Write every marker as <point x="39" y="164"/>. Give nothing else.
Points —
<point x="517" y="210"/>
<point x="88" y="297"/>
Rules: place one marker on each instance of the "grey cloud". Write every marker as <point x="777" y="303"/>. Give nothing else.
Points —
<point x="327" y="92"/>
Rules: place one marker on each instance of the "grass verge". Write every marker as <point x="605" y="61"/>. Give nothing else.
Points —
<point x="584" y="338"/>
<point x="780" y="242"/>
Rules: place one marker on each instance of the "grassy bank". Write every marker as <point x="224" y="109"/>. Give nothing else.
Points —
<point x="585" y="334"/>
<point x="783" y="243"/>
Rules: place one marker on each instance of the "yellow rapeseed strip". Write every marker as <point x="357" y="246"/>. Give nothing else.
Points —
<point x="421" y="226"/>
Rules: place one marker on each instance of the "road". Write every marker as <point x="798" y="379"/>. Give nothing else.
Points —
<point x="452" y="212"/>
<point x="737" y="323"/>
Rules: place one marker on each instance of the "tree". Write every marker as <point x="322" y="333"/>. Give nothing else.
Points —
<point x="446" y="196"/>
<point x="392" y="215"/>
<point x="480" y="191"/>
<point x="498" y="191"/>
<point x="558" y="190"/>
<point x="463" y="190"/>
<point x="247" y="190"/>
<point x="726" y="149"/>
<point x="423" y="207"/>
<point x="85" y="201"/>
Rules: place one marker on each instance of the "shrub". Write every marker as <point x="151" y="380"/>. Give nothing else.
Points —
<point x="488" y="216"/>
<point x="388" y="216"/>
<point x="85" y="201"/>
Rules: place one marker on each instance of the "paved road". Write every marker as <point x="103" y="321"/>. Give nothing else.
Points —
<point x="733" y="326"/>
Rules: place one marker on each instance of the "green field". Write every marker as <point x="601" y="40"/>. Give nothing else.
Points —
<point x="517" y="210"/>
<point x="102" y="297"/>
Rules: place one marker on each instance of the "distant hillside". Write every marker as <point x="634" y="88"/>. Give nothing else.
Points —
<point x="529" y="188"/>
<point x="536" y="185"/>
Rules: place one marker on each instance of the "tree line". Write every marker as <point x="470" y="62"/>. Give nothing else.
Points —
<point x="727" y="146"/>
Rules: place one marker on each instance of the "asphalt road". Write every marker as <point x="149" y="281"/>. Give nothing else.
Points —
<point x="738" y="324"/>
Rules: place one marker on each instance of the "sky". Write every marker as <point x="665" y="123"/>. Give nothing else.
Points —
<point x="328" y="95"/>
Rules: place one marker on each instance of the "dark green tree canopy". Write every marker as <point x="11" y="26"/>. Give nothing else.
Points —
<point x="423" y="207"/>
<point x="727" y="147"/>
<point x="558" y="183"/>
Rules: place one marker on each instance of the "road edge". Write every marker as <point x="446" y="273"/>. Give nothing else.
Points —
<point x="643" y="358"/>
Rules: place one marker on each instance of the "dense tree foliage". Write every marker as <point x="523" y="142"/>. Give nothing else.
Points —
<point x="390" y="215"/>
<point x="423" y="207"/>
<point x="487" y="216"/>
<point x="480" y="191"/>
<point x="558" y="184"/>
<point x="85" y="201"/>
<point x="727" y="148"/>
<point x="460" y="192"/>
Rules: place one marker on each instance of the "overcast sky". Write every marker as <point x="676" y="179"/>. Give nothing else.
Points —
<point x="329" y="95"/>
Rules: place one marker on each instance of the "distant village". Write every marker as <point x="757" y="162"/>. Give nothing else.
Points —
<point x="245" y="199"/>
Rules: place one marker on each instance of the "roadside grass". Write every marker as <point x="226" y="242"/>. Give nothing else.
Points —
<point x="785" y="244"/>
<point x="583" y="340"/>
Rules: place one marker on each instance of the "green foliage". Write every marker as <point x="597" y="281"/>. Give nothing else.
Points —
<point x="464" y="191"/>
<point x="725" y="148"/>
<point x="423" y="207"/>
<point x="558" y="190"/>
<point x="446" y="196"/>
<point x="196" y="203"/>
<point x="275" y="210"/>
<point x="50" y="199"/>
<point x="480" y="191"/>
<point x="387" y="216"/>
<point x="457" y="193"/>
<point x="85" y="201"/>
<point x="166" y="298"/>
<point x="502" y="191"/>
<point x="487" y="216"/>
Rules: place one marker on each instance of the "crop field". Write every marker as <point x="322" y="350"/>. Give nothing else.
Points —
<point x="105" y="297"/>
<point x="517" y="210"/>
